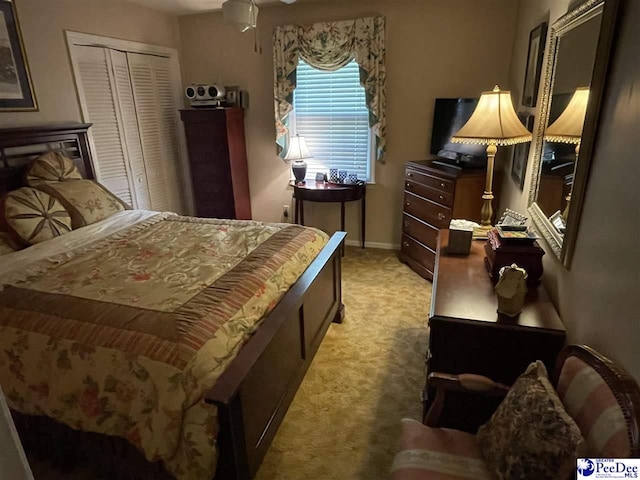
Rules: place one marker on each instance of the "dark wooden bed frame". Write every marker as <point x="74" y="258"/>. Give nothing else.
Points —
<point x="254" y="392"/>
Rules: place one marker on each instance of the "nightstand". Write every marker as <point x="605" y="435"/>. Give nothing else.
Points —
<point x="331" y="192"/>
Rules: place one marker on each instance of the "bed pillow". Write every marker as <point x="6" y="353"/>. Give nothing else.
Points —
<point x="531" y="435"/>
<point x="51" y="167"/>
<point x="87" y="201"/>
<point x="31" y="216"/>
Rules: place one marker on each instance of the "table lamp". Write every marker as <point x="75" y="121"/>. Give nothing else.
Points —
<point x="297" y="153"/>
<point x="568" y="128"/>
<point x="494" y="122"/>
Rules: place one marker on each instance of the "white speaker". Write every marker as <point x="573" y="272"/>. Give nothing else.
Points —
<point x="205" y="95"/>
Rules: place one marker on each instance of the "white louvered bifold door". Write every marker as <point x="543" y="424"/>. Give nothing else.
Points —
<point x="156" y="114"/>
<point x="97" y="89"/>
<point x="167" y="111"/>
<point x="132" y="143"/>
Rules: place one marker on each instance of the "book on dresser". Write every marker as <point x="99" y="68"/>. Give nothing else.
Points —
<point x="434" y="193"/>
<point x="218" y="162"/>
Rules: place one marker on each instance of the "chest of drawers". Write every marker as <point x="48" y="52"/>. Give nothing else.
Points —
<point x="435" y="193"/>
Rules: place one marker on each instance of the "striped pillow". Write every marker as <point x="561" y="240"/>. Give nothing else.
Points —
<point x="591" y="403"/>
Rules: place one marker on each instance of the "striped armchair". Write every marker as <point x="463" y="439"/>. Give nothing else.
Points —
<point x="601" y="397"/>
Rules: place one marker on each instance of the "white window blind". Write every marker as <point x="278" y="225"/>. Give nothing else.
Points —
<point x="330" y="112"/>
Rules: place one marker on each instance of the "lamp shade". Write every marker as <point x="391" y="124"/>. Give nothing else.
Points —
<point x="241" y="13"/>
<point x="298" y="149"/>
<point x="297" y="153"/>
<point x="568" y="126"/>
<point x="493" y="122"/>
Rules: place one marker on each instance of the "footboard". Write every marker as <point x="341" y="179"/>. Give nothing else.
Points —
<point x="252" y="395"/>
<point x="255" y="391"/>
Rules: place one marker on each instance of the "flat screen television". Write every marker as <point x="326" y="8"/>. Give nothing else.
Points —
<point x="449" y="115"/>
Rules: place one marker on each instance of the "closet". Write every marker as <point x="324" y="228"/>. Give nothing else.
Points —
<point x="130" y="97"/>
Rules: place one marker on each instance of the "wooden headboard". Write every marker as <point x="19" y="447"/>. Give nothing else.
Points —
<point x="18" y="146"/>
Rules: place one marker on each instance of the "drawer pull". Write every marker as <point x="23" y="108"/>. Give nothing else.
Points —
<point x="443" y="185"/>
<point x="409" y="174"/>
<point x="441" y="216"/>
<point x="408" y="204"/>
<point x="441" y="197"/>
<point x="407" y="225"/>
<point x="409" y="185"/>
<point x="406" y="244"/>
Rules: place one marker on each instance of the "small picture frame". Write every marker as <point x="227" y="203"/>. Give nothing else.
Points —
<point x="510" y="217"/>
<point x="16" y="90"/>
<point x="232" y="96"/>
<point x="537" y="41"/>
<point x="558" y="222"/>
<point x="521" y="152"/>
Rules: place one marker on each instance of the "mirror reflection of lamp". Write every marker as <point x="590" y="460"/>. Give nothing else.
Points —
<point x="568" y="129"/>
<point x="296" y="154"/>
<point x="494" y="122"/>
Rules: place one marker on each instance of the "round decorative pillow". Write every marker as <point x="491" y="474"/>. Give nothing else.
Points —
<point x="51" y="167"/>
<point x="32" y="216"/>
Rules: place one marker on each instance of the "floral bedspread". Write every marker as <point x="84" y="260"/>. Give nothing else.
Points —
<point x="124" y="337"/>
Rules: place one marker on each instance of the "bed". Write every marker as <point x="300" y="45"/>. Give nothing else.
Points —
<point x="240" y="406"/>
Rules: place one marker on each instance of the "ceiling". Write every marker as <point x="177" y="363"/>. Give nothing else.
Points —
<point x="187" y="7"/>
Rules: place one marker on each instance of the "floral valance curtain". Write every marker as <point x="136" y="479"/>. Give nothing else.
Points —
<point x="329" y="46"/>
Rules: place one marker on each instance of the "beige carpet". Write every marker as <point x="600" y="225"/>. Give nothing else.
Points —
<point x="367" y="375"/>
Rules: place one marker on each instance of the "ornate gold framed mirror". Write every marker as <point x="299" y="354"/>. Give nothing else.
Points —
<point x="576" y="67"/>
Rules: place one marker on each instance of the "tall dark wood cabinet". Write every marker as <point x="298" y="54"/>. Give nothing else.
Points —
<point x="434" y="193"/>
<point x="218" y="162"/>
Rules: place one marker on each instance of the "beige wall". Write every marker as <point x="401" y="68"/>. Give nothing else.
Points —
<point x="599" y="297"/>
<point x="43" y="23"/>
<point x="434" y="49"/>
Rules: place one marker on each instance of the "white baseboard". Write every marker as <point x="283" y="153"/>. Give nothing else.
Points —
<point x="383" y="246"/>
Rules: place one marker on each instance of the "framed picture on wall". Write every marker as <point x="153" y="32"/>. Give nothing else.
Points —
<point x="521" y="152"/>
<point x="537" y="40"/>
<point x="16" y="91"/>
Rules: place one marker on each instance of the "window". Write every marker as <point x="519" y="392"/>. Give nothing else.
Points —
<point x="330" y="112"/>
